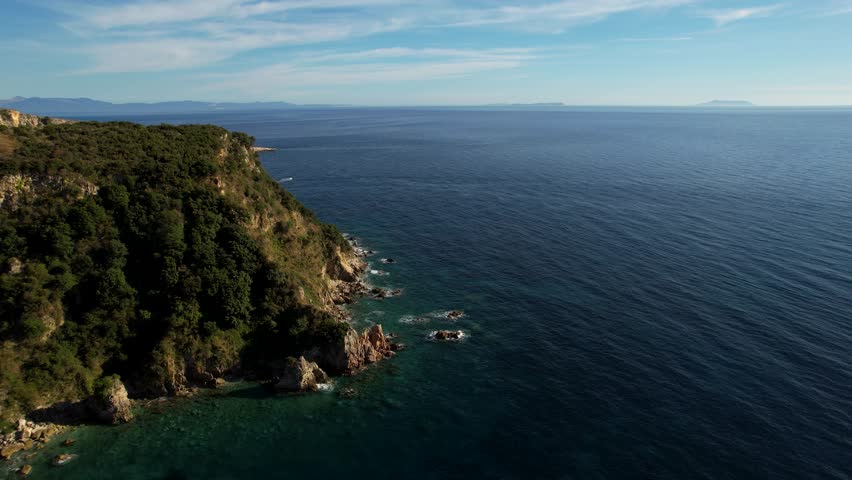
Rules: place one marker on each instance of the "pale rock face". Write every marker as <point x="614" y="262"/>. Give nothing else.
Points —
<point x="14" y="119"/>
<point x="113" y="406"/>
<point x="301" y="375"/>
<point x="353" y="351"/>
<point x="18" y="187"/>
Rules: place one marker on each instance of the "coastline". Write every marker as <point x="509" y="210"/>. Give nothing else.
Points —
<point x="356" y="351"/>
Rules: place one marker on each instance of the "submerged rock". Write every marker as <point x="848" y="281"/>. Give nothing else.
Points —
<point x="348" y="393"/>
<point x="300" y="375"/>
<point x="455" y="314"/>
<point x="26" y="470"/>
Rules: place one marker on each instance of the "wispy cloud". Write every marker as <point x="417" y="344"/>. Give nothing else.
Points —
<point x="152" y="12"/>
<point x="158" y="35"/>
<point x="654" y="39"/>
<point x="726" y="16"/>
<point x="556" y="16"/>
<point x="380" y="66"/>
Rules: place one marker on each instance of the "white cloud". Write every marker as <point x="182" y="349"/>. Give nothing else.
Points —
<point x="381" y="66"/>
<point x="724" y="17"/>
<point x="557" y="16"/>
<point x="152" y="12"/>
<point x="159" y="35"/>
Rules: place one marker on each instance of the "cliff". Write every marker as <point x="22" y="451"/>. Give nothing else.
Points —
<point x="14" y="118"/>
<point x="164" y="255"/>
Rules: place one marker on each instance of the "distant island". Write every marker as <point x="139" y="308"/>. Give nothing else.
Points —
<point x="726" y="103"/>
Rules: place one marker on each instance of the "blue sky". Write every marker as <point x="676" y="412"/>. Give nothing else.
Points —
<point x="441" y="52"/>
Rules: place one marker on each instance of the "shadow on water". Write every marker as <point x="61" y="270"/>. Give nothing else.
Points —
<point x="174" y="474"/>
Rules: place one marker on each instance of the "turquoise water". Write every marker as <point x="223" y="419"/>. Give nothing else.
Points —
<point x="648" y="294"/>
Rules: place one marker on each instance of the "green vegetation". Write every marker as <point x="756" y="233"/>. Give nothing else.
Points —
<point x="146" y="252"/>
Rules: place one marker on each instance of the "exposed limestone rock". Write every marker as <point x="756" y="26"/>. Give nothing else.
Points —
<point x="352" y="352"/>
<point x="300" y="375"/>
<point x="9" y="450"/>
<point x="62" y="459"/>
<point x="26" y="470"/>
<point x="15" y="266"/>
<point x="111" y="405"/>
<point x="18" y="187"/>
<point x="14" y="118"/>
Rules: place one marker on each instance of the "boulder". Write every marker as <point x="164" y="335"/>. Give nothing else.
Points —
<point x="447" y="335"/>
<point x="26" y="470"/>
<point x="9" y="450"/>
<point x="62" y="459"/>
<point x="110" y="404"/>
<point x="300" y="375"/>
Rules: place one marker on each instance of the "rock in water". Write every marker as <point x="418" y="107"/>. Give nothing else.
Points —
<point x="351" y="352"/>
<point x="26" y="470"/>
<point x="10" y="450"/>
<point x="300" y="375"/>
<point x="447" y="335"/>
<point x="110" y="403"/>
<point x="62" y="459"/>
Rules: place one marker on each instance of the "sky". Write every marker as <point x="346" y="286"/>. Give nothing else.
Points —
<point x="430" y="52"/>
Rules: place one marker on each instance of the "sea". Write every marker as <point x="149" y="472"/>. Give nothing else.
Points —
<point x="647" y="294"/>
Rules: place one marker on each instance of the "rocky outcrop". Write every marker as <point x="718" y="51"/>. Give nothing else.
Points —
<point x="14" y="119"/>
<point x="353" y="351"/>
<point x="111" y="403"/>
<point x="300" y="375"/>
<point x="19" y="187"/>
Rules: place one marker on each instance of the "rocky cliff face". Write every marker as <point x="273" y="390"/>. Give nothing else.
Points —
<point x="353" y="351"/>
<point x="14" y="118"/>
<point x="20" y="187"/>
<point x="111" y="404"/>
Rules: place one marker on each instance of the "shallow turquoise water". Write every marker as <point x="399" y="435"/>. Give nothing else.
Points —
<point x="648" y="295"/>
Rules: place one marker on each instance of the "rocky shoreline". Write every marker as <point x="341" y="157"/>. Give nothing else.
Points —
<point x="112" y="405"/>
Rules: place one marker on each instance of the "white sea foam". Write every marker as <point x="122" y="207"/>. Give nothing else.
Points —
<point x="462" y="336"/>
<point x="285" y="179"/>
<point x="412" y="319"/>
<point x="325" y="387"/>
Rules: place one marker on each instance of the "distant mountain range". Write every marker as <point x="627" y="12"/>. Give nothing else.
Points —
<point x="726" y="103"/>
<point x="87" y="106"/>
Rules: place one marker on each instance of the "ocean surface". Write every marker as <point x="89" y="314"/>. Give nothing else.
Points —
<point x="648" y="294"/>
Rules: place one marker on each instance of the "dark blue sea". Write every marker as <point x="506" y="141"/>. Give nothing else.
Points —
<point x="648" y="294"/>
